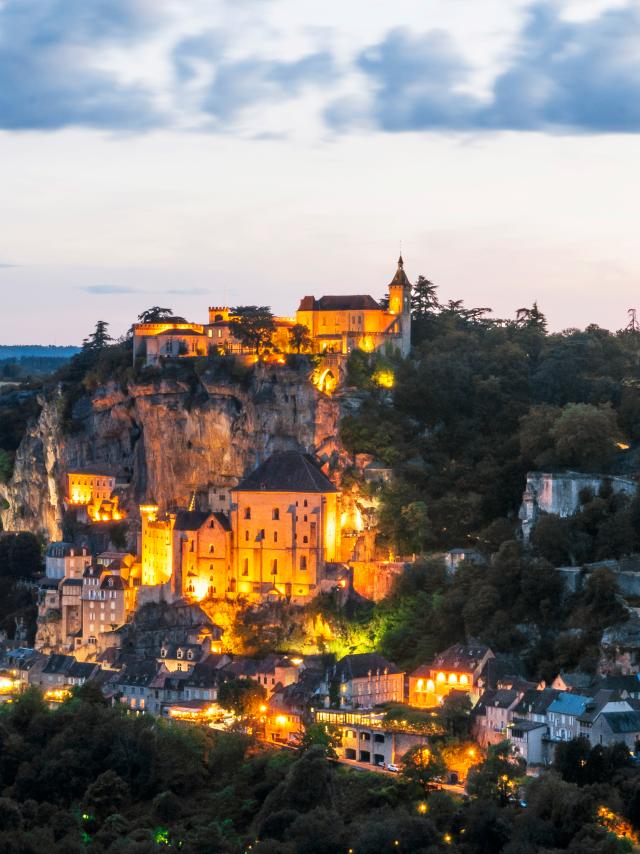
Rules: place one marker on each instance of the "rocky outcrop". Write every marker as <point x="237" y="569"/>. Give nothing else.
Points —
<point x="560" y="493"/>
<point x="168" y="438"/>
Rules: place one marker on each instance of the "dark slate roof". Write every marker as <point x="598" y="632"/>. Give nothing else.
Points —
<point x="526" y="726"/>
<point x="400" y="277"/>
<point x="59" y="663"/>
<point x="138" y="672"/>
<point x="503" y="698"/>
<point x="117" y="583"/>
<point x="536" y="702"/>
<point x="72" y="582"/>
<point x="207" y="673"/>
<point x="576" y="679"/>
<point x="81" y="669"/>
<point x="287" y="471"/>
<point x="623" y="722"/>
<point x="352" y="302"/>
<point x="461" y="656"/>
<point x="630" y="683"/>
<point x="193" y="520"/>
<point x="359" y="665"/>
<point x="64" y="549"/>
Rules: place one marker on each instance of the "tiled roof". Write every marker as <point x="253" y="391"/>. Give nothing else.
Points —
<point x="287" y="471"/>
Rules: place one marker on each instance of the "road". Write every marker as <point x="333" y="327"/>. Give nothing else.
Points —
<point x="378" y="769"/>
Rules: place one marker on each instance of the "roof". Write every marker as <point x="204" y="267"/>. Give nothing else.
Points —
<point x="526" y="726"/>
<point x="287" y="471"/>
<point x="138" y="672"/>
<point x="360" y="665"/>
<point x="400" y="277"/>
<point x="59" y="663"/>
<point x="64" y="549"/>
<point x="570" y="704"/>
<point x="630" y="683"/>
<point x="177" y="333"/>
<point x="193" y="520"/>
<point x="112" y="582"/>
<point x="351" y="302"/>
<point x="461" y="656"/>
<point x="575" y="679"/>
<point x="503" y="698"/>
<point x="81" y="669"/>
<point x="536" y="702"/>
<point x="72" y="582"/>
<point x="622" y="722"/>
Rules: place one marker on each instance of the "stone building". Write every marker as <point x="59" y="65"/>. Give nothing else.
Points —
<point x="93" y="491"/>
<point x="104" y="603"/>
<point x="66" y="560"/>
<point x="285" y="519"/>
<point x="458" y="668"/>
<point x="363" y="680"/>
<point x="340" y="324"/>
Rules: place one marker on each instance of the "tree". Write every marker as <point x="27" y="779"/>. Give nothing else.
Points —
<point x="157" y="314"/>
<point x="456" y="715"/>
<point x="424" y="298"/>
<point x="328" y="738"/>
<point x="585" y="435"/>
<point x="242" y="696"/>
<point x="106" y="795"/>
<point x="299" y="337"/>
<point x="253" y="326"/>
<point x="531" y="318"/>
<point x="494" y="779"/>
<point x="422" y="765"/>
<point x="98" y="339"/>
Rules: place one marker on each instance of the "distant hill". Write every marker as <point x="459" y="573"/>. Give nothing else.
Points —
<point x="18" y="352"/>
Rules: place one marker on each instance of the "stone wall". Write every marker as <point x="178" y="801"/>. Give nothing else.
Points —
<point x="560" y="494"/>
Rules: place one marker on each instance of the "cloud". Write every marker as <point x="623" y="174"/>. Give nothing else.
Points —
<point x="564" y="76"/>
<point x="7" y="266"/>
<point x="111" y="289"/>
<point x="227" y="86"/>
<point x="100" y="290"/>
<point x="47" y="48"/>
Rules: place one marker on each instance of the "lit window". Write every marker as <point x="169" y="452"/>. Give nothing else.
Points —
<point x="430" y="686"/>
<point x="440" y="677"/>
<point x="453" y="679"/>
<point x="464" y="679"/>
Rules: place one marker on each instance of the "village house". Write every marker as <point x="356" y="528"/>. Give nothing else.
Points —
<point x="458" y="668"/>
<point x="105" y="604"/>
<point x="93" y="491"/>
<point x="363" y="680"/>
<point x="498" y="705"/>
<point x="66" y="560"/>
<point x="612" y="726"/>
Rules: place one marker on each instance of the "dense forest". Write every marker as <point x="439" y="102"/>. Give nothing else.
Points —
<point x="89" y="778"/>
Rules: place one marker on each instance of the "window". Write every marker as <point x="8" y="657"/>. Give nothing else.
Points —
<point x="245" y="568"/>
<point x="275" y="514"/>
<point x="305" y="539"/>
<point x="246" y="535"/>
<point x="247" y="512"/>
<point x="210" y="550"/>
<point x="180" y="653"/>
<point x="304" y="518"/>
<point x="275" y="536"/>
<point x="190" y="654"/>
<point x="303" y="562"/>
<point x="305" y="503"/>
<point x="274" y="567"/>
<point x="211" y="524"/>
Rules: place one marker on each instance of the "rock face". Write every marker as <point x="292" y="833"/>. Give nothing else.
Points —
<point x="167" y="439"/>
<point x="560" y="494"/>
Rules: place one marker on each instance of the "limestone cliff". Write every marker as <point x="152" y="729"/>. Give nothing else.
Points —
<point x="168" y="438"/>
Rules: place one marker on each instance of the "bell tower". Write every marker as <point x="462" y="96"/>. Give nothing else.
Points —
<point x="400" y="304"/>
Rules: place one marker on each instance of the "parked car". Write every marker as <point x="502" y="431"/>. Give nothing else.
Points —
<point x="393" y="768"/>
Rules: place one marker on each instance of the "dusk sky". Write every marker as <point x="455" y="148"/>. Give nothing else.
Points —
<point x="196" y="152"/>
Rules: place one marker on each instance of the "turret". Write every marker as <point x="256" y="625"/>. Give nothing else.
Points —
<point x="400" y="304"/>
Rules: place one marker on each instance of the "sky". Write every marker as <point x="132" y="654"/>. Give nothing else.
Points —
<point x="188" y="153"/>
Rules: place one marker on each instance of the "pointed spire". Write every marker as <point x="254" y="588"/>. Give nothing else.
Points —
<point x="400" y="277"/>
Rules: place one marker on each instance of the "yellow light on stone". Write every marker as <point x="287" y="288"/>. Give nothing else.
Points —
<point x="385" y="379"/>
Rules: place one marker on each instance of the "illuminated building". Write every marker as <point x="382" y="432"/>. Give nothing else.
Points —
<point x="340" y="324"/>
<point x="286" y="527"/>
<point x="368" y="737"/>
<point x="93" y="490"/>
<point x="157" y="545"/>
<point x="104" y="602"/>
<point x="363" y="681"/>
<point x="335" y="324"/>
<point x="458" y="668"/>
